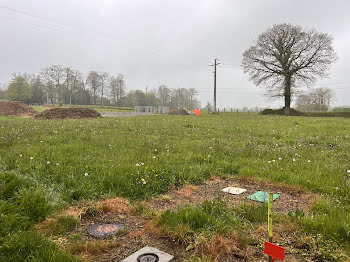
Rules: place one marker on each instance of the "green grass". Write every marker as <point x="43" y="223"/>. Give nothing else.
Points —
<point x="210" y="218"/>
<point x="48" y="164"/>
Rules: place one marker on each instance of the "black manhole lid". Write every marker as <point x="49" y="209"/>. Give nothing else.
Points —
<point x="104" y="229"/>
<point x="149" y="257"/>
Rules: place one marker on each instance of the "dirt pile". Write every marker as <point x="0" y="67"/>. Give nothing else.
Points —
<point x="179" y="112"/>
<point x="64" y="113"/>
<point x="16" y="109"/>
<point x="281" y="111"/>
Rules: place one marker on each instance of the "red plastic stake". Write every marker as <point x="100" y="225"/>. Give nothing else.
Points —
<point x="276" y="252"/>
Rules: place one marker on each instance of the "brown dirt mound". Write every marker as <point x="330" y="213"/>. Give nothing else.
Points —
<point x="281" y="111"/>
<point x="179" y="112"/>
<point x="63" y="113"/>
<point x="16" y="109"/>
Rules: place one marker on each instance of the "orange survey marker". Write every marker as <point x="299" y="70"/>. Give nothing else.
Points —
<point x="197" y="112"/>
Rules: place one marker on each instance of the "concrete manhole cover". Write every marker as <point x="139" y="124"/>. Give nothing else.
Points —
<point x="104" y="229"/>
<point x="148" y="258"/>
<point x="149" y="254"/>
<point x="234" y="190"/>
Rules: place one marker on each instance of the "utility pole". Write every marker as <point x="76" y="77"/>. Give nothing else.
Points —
<point x="215" y="64"/>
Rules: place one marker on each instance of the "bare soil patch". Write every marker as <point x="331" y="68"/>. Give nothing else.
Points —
<point x="290" y="199"/>
<point x="142" y="231"/>
<point x="68" y="113"/>
<point x="16" y="109"/>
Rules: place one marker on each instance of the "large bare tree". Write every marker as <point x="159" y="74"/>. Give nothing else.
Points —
<point x="287" y="57"/>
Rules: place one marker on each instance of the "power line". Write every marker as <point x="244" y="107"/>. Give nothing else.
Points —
<point x="91" y="30"/>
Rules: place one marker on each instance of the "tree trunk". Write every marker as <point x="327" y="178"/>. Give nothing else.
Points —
<point x="287" y="95"/>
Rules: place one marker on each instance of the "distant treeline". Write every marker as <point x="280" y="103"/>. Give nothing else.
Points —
<point x="63" y="85"/>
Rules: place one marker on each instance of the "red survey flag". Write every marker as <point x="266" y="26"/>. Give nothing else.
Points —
<point x="274" y="251"/>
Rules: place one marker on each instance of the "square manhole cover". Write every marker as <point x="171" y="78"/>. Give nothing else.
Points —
<point x="149" y="254"/>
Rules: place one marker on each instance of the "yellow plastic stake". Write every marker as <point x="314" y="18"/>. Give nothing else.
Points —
<point x="269" y="215"/>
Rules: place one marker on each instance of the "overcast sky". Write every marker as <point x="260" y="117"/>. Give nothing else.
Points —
<point x="169" y="42"/>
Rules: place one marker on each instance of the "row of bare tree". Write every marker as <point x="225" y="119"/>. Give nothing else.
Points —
<point x="58" y="84"/>
<point x="101" y="84"/>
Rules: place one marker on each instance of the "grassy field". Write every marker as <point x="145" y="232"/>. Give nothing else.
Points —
<point x="47" y="165"/>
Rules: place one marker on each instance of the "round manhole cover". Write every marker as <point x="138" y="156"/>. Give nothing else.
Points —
<point x="149" y="257"/>
<point x="103" y="230"/>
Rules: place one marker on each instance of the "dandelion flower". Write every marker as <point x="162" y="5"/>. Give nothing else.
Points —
<point x="31" y="158"/>
<point x="142" y="164"/>
<point x="294" y="159"/>
<point x="154" y="157"/>
<point x="273" y="160"/>
<point x="269" y="161"/>
<point x="348" y="171"/>
<point x="20" y="155"/>
<point x="48" y="163"/>
<point x="137" y="164"/>
<point x="309" y="161"/>
<point x="86" y="174"/>
<point x="279" y="158"/>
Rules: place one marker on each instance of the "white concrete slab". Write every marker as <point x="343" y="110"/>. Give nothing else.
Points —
<point x="234" y="190"/>
<point x="163" y="257"/>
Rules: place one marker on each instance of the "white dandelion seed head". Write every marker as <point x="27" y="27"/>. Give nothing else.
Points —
<point x="86" y="174"/>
